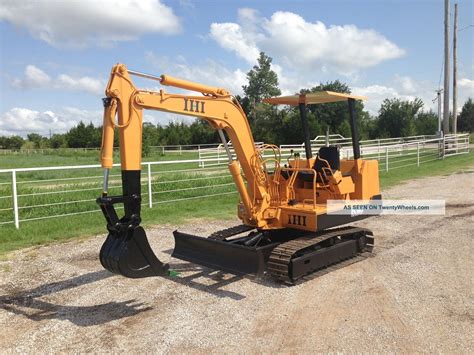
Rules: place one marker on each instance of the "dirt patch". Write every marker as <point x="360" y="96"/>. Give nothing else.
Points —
<point x="414" y="294"/>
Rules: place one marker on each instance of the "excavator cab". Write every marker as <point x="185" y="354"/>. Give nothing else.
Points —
<point x="286" y="229"/>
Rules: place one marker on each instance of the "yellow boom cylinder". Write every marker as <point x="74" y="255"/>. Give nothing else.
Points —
<point x="234" y="169"/>
<point x="189" y="85"/>
<point x="107" y="149"/>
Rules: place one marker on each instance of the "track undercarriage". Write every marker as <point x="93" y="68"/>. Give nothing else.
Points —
<point x="287" y="255"/>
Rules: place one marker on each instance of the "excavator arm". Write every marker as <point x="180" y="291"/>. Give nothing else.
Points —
<point x="217" y="107"/>
<point x="127" y="251"/>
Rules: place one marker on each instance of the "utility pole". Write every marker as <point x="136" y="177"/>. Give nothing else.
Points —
<point x="446" y="69"/>
<point x="455" y="71"/>
<point x="438" y="97"/>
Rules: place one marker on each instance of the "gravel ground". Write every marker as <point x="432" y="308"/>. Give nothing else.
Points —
<point x="414" y="295"/>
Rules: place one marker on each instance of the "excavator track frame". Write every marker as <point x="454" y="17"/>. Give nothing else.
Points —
<point x="302" y="256"/>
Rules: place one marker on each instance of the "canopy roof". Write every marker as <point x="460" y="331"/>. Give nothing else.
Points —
<point x="320" y="97"/>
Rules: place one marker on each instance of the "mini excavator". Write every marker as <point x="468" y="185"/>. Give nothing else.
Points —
<point x="286" y="229"/>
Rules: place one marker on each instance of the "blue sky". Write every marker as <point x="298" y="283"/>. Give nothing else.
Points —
<point x="56" y="55"/>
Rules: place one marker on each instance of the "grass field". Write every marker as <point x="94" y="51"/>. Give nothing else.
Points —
<point x="168" y="185"/>
<point x="64" y="157"/>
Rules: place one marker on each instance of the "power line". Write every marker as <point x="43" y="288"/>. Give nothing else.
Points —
<point x="465" y="28"/>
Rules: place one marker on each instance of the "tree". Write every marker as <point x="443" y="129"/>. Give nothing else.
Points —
<point x="466" y="118"/>
<point x="83" y="136"/>
<point x="58" y="141"/>
<point x="332" y="116"/>
<point x="263" y="81"/>
<point x="397" y="117"/>
<point x="426" y="123"/>
<point x="202" y="133"/>
<point x="35" y="138"/>
<point x="262" y="84"/>
<point x="14" y="142"/>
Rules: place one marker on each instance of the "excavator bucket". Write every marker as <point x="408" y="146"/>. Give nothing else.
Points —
<point x="126" y="250"/>
<point x="129" y="254"/>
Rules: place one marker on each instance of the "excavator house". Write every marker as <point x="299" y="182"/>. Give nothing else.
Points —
<point x="286" y="229"/>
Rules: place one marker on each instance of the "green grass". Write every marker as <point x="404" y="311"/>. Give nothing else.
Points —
<point x="64" y="228"/>
<point x="64" y="157"/>
<point x="217" y="207"/>
<point x="445" y="166"/>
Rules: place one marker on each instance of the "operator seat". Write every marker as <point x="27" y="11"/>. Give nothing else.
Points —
<point x="329" y="154"/>
<point x="325" y="154"/>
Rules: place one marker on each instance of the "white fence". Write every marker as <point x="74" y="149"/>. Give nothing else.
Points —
<point x="29" y="194"/>
<point x="218" y="154"/>
<point x="392" y="153"/>
<point x="346" y="143"/>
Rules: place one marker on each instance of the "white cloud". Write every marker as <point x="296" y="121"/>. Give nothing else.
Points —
<point x="468" y="85"/>
<point x="84" y="83"/>
<point x="88" y="22"/>
<point x="231" y="37"/>
<point x="20" y="121"/>
<point x="187" y="4"/>
<point x="304" y="45"/>
<point x="376" y="94"/>
<point x="408" y="85"/>
<point x="406" y="88"/>
<point x="36" y="78"/>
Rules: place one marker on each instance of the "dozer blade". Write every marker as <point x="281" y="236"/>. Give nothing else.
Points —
<point x="129" y="254"/>
<point x="221" y="255"/>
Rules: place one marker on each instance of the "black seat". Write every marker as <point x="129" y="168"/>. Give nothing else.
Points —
<point x="331" y="155"/>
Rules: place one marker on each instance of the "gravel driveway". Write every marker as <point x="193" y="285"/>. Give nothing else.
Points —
<point x="414" y="295"/>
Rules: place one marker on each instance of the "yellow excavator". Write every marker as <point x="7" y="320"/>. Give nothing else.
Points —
<point x="286" y="229"/>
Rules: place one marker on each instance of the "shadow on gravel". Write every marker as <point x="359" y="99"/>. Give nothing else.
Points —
<point x="215" y="280"/>
<point x="28" y="304"/>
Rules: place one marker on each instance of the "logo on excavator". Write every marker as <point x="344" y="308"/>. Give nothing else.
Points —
<point x="297" y="220"/>
<point x="194" y="105"/>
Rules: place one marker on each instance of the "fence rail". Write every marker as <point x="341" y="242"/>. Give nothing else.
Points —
<point x="177" y="148"/>
<point x="29" y="194"/>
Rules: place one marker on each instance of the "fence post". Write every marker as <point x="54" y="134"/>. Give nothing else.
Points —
<point x="15" y="200"/>
<point x="444" y="146"/>
<point x="150" y="196"/>
<point x="418" y="154"/>
<point x="386" y="158"/>
<point x="378" y="149"/>
<point x="180" y="150"/>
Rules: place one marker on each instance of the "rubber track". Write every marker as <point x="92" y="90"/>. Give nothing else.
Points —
<point x="230" y="232"/>
<point x="280" y="258"/>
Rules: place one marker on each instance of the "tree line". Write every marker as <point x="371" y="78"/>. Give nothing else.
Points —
<point x="271" y="124"/>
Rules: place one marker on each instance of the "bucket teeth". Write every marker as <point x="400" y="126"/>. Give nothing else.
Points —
<point x="129" y="254"/>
